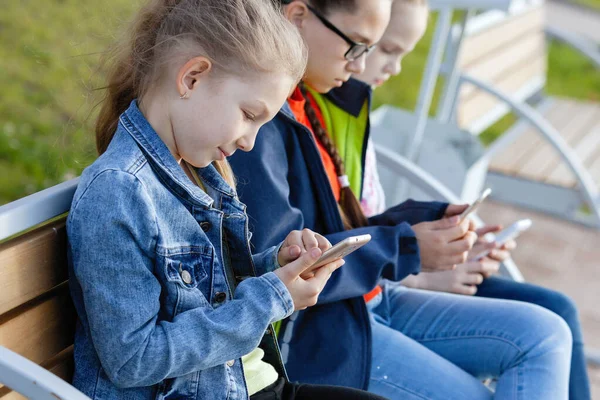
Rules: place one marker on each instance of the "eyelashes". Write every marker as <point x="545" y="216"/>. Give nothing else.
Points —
<point x="249" y="116"/>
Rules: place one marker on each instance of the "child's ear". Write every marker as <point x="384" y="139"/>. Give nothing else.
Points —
<point x="296" y="12"/>
<point x="191" y="73"/>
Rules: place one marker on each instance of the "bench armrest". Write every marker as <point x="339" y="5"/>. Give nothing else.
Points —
<point x="32" y="381"/>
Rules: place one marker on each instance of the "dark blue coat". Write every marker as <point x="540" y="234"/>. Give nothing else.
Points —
<point x="284" y="184"/>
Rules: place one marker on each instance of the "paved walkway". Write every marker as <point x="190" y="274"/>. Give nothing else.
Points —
<point x="574" y="19"/>
<point x="562" y="256"/>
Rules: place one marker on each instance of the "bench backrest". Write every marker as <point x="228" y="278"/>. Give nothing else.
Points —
<point x="37" y="318"/>
<point x="507" y="51"/>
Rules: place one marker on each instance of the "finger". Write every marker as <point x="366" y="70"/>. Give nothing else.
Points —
<point x="474" y="267"/>
<point x="467" y="290"/>
<point x="489" y="267"/>
<point x="294" y="238"/>
<point x="472" y="226"/>
<point x="457" y="247"/>
<point x="471" y="237"/>
<point x="499" y="255"/>
<point x="444" y="223"/>
<point x="488" y="228"/>
<point x="288" y="254"/>
<point x="455" y="209"/>
<point x="309" y="239"/>
<point x="323" y="274"/>
<point x="324" y="244"/>
<point x="509" y="245"/>
<point x="472" y="279"/>
<point x="304" y="262"/>
<point x="456" y="232"/>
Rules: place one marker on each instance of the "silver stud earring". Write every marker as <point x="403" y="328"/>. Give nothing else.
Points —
<point x="184" y="96"/>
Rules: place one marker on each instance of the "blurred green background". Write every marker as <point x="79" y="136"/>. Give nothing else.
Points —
<point x="49" y="73"/>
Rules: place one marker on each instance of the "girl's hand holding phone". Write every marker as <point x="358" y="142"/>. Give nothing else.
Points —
<point x="305" y="292"/>
<point x="299" y="242"/>
<point x="298" y="253"/>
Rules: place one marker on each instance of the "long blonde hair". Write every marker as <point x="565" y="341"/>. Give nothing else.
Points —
<point x="236" y="35"/>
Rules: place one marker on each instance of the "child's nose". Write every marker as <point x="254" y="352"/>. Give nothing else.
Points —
<point x="246" y="143"/>
<point x="357" y="66"/>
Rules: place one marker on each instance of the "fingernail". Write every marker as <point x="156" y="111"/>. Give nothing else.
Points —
<point x="315" y="252"/>
<point x="454" y="219"/>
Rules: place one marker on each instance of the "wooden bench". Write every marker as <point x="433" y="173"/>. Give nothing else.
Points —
<point x="554" y="165"/>
<point x="37" y="317"/>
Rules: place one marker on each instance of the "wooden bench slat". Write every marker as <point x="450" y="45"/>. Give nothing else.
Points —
<point x="480" y="103"/>
<point x="40" y="331"/>
<point x="508" y="60"/>
<point x="12" y="396"/>
<point x="32" y="264"/>
<point x="588" y="149"/>
<point x="486" y="42"/>
<point x="539" y="166"/>
<point x="509" y="160"/>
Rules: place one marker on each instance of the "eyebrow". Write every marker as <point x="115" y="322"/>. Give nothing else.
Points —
<point x="264" y="111"/>
<point x="394" y="48"/>
<point x="357" y="37"/>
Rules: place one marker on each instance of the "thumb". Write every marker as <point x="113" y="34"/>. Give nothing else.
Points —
<point x="445" y="223"/>
<point x="487" y="229"/>
<point x="287" y="254"/>
<point x="304" y="262"/>
<point x="455" y="209"/>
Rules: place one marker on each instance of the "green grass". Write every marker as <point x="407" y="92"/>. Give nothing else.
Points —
<point x="595" y="4"/>
<point x="49" y="65"/>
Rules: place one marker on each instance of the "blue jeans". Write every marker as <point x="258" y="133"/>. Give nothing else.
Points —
<point x="502" y="288"/>
<point x="430" y="345"/>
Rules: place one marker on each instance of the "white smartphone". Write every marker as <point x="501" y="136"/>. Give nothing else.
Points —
<point x="512" y="232"/>
<point x="341" y="250"/>
<point x="473" y="207"/>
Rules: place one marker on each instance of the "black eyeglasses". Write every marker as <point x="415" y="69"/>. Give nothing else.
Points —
<point x="356" y="49"/>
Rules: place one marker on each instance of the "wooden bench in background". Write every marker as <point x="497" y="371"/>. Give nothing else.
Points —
<point x="555" y="169"/>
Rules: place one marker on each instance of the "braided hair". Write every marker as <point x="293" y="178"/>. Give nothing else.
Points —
<point x="350" y="209"/>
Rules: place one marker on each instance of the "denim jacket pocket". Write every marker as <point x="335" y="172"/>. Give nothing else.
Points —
<point x="188" y="273"/>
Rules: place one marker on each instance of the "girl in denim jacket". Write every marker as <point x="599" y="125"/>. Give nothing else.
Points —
<point x="171" y="302"/>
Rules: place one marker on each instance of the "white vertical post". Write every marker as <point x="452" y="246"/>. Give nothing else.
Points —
<point x="432" y="71"/>
<point x="451" y="86"/>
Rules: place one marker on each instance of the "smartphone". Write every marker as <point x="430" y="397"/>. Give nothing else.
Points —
<point x="473" y="207"/>
<point x="512" y="232"/>
<point x="341" y="250"/>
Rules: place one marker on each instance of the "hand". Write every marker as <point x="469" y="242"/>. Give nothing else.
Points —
<point x="462" y="280"/>
<point x="495" y="253"/>
<point x="455" y="209"/>
<point x="305" y="292"/>
<point x="299" y="242"/>
<point x="444" y="243"/>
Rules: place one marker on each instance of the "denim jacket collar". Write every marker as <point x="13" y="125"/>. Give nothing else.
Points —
<point x="136" y="124"/>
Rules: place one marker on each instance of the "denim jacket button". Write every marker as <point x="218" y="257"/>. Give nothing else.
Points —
<point x="205" y="226"/>
<point x="186" y="277"/>
<point x="220" y="297"/>
<point x="230" y="363"/>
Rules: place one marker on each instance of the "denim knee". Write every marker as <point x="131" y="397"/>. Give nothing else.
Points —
<point x="548" y="330"/>
<point x="565" y="307"/>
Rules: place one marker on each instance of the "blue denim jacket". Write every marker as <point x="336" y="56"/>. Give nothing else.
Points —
<point x="284" y="176"/>
<point x="154" y="261"/>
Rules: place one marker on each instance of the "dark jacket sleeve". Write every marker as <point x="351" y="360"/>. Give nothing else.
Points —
<point x="411" y="212"/>
<point x="264" y="177"/>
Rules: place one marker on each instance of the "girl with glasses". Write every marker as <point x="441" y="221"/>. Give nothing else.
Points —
<point x="424" y="345"/>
